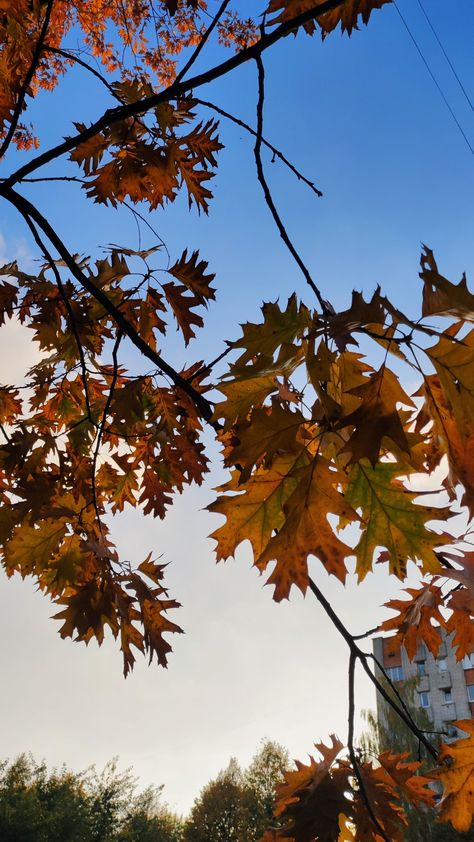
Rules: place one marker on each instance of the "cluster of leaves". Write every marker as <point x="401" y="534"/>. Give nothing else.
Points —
<point x="324" y="801"/>
<point x="84" y="436"/>
<point x="345" y="439"/>
<point x="149" y="163"/>
<point x="388" y="732"/>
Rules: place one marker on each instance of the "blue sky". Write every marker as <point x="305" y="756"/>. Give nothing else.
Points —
<point x="363" y="119"/>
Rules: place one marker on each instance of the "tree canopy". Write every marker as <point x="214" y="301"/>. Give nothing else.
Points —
<point x="310" y="405"/>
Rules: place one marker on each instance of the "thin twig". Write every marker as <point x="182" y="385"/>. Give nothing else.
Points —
<point x="363" y="657"/>
<point x="207" y="368"/>
<point x="352" y="754"/>
<point x="150" y="226"/>
<point x="276" y="152"/>
<point x="44" y="249"/>
<point x="392" y="686"/>
<point x="174" y="91"/>
<point x="266" y="190"/>
<point x="366" y="634"/>
<point x="27" y="210"/>
<point x="65" y="54"/>
<point x="103" y="421"/>
<point x="202" y="42"/>
<point x="55" y="178"/>
<point x="27" y="80"/>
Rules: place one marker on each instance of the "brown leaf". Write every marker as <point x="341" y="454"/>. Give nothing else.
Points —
<point x="440" y="296"/>
<point x="413" y="624"/>
<point x="192" y="274"/>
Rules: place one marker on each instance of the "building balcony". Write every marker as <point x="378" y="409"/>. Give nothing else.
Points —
<point x="443" y="680"/>
<point x="449" y="712"/>
<point x="423" y="684"/>
<point x="420" y="653"/>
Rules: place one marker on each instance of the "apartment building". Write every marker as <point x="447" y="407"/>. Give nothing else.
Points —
<point x="443" y="686"/>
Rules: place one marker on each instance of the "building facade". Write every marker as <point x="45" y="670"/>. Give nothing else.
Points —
<point x="442" y="686"/>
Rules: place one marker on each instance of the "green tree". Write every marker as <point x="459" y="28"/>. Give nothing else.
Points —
<point x="238" y="805"/>
<point x="61" y="806"/>
<point x="260" y="779"/>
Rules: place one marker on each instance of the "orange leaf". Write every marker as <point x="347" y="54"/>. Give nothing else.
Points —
<point x="413" y="623"/>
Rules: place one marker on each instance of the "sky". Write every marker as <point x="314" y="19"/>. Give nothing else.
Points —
<point x="364" y="120"/>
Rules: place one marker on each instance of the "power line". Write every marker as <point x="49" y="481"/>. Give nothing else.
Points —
<point x="443" y="50"/>
<point x="434" y="79"/>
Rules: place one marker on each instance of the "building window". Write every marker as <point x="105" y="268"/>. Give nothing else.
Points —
<point x="421" y="668"/>
<point x="425" y="699"/>
<point x="448" y="696"/>
<point x="450" y="730"/>
<point x="395" y="673"/>
<point x="470" y="692"/>
<point x="442" y="665"/>
<point x="468" y="661"/>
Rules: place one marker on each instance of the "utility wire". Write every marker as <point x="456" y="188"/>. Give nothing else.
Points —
<point x="443" y="50"/>
<point x="433" y="77"/>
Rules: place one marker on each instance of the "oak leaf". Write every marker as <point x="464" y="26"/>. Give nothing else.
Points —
<point x="456" y="773"/>
<point x="392" y="518"/>
<point x="193" y="275"/>
<point x="451" y="411"/>
<point x="413" y="624"/>
<point x="257" y="510"/>
<point x="311" y="798"/>
<point x="279" y="327"/>
<point x="377" y="417"/>
<point x="307" y="531"/>
<point x="270" y="430"/>
<point x="405" y="775"/>
<point x="346" y="14"/>
<point x="440" y="296"/>
<point x="380" y="792"/>
<point x="182" y="306"/>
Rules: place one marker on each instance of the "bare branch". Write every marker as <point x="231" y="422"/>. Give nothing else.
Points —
<point x="363" y="658"/>
<point x="205" y="37"/>
<point x="27" y="210"/>
<point x="27" y="80"/>
<point x="276" y="152"/>
<point x="352" y="753"/>
<point x="174" y="91"/>
<point x="44" y="249"/>
<point x="266" y="190"/>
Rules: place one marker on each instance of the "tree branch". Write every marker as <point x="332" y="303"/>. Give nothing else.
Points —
<point x="363" y="657"/>
<point x="352" y="754"/>
<point x="266" y="190"/>
<point x="65" y="54"/>
<point x="27" y="80"/>
<point x="43" y="248"/>
<point x="276" y="152"/>
<point x="173" y="91"/>
<point x="26" y="209"/>
<point x="202" y="42"/>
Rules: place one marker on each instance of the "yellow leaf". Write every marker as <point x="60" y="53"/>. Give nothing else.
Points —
<point x="258" y="510"/>
<point x="456" y="773"/>
<point x="307" y="530"/>
<point x="392" y="519"/>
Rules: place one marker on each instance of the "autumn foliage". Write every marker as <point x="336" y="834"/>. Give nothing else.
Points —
<point x="318" y="435"/>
